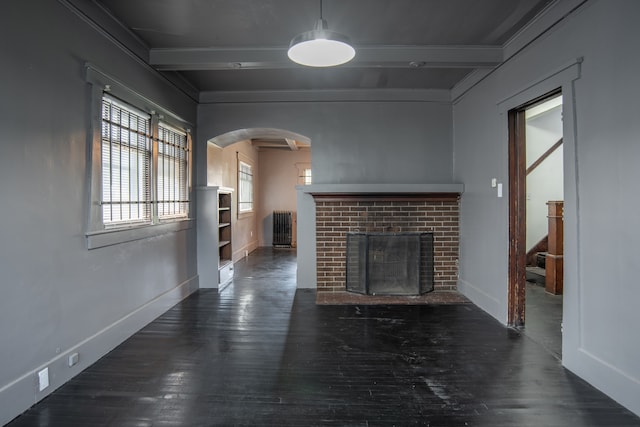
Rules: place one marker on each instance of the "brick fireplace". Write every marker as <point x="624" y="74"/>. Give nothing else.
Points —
<point x="339" y="214"/>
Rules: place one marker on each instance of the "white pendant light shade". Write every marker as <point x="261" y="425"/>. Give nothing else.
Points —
<point x="321" y="47"/>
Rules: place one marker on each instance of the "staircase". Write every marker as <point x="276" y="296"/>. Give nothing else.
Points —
<point x="536" y="273"/>
<point x="549" y="265"/>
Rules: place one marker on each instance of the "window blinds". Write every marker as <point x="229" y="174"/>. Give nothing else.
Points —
<point x="172" y="185"/>
<point x="245" y="187"/>
<point x="126" y="163"/>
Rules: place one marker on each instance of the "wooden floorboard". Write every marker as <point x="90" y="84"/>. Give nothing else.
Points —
<point x="259" y="353"/>
<point x="543" y="318"/>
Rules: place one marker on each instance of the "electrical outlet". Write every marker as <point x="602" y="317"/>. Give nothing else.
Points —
<point x="73" y="359"/>
<point x="43" y="379"/>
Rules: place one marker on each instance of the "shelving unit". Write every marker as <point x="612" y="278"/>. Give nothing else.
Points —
<point x="225" y="263"/>
<point x="213" y="221"/>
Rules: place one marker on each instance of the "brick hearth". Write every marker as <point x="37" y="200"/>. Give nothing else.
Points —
<point x="335" y="217"/>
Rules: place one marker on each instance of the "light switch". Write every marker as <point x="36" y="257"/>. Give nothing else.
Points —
<point x="500" y="190"/>
<point x="494" y="182"/>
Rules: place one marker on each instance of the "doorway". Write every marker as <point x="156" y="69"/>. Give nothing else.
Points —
<point x="535" y="229"/>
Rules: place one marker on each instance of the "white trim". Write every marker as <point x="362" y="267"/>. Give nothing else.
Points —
<point x="545" y="20"/>
<point x="100" y="239"/>
<point x="336" y="95"/>
<point x="22" y="393"/>
<point x="247" y="161"/>
<point x="97" y="234"/>
<point x="468" y="82"/>
<point x="548" y="18"/>
<point x="117" y="88"/>
<point x="597" y="372"/>
<point x="563" y="77"/>
<point x="106" y="25"/>
<point x="568" y="72"/>
<point x="482" y="299"/>
<point x="380" y="188"/>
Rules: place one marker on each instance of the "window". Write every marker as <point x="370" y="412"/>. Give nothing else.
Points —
<point x="127" y="172"/>
<point x="140" y="162"/>
<point x="304" y="173"/>
<point x="245" y="187"/>
<point x="306" y="176"/>
<point x="173" y="191"/>
<point x="126" y="161"/>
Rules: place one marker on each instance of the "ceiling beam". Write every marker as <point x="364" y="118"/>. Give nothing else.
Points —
<point x="292" y="144"/>
<point x="372" y="56"/>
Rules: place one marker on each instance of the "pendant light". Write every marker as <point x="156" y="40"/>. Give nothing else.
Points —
<point x="321" y="47"/>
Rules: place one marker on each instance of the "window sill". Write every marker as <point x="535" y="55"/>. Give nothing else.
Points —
<point x="100" y="239"/>
<point x="247" y="214"/>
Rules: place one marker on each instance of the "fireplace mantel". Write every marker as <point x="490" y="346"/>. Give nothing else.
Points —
<point x="382" y="189"/>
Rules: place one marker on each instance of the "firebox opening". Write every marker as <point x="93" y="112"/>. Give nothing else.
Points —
<point x="399" y="264"/>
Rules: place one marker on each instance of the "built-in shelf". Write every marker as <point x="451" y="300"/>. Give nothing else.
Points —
<point x="214" y="209"/>
<point x="225" y="263"/>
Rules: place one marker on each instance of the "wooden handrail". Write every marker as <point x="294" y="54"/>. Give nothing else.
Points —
<point x="542" y="158"/>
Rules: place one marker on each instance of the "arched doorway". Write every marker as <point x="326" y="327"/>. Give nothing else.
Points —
<point x="260" y="168"/>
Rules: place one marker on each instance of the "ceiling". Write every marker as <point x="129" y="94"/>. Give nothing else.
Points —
<point x="240" y="45"/>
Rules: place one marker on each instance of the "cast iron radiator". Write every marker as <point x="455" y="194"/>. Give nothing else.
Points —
<point x="390" y="263"/>
<point x="282" y="223"/>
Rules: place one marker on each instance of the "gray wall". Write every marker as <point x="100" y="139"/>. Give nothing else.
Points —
<point x="601" y="153"/>
<point x="57" y="296"/>
<point x="352" y="142"/>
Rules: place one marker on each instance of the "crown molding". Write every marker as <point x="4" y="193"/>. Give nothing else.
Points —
<point x="542" y="23"/>
<point x="103" y="22"/>
<point x="546" y="20"/>
<point x="343" y="95"/>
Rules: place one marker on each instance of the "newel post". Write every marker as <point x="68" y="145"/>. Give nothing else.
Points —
<point x="554" y="261"/>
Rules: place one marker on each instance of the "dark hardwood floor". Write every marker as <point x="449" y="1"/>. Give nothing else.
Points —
<point x="543" y="318"/>
<point x="260" y="353"/>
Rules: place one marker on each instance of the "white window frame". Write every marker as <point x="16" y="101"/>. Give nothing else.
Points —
<point x="304" y="173"/>
<point x="306" y="176"/>
<point x="245" y="187"/>
<point x="98" y="233"/>
<point x="126" y="152"/>
<point x="172" y="172"/>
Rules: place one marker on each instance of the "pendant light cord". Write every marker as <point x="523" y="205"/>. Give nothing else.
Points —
<point x="320" y="9"/>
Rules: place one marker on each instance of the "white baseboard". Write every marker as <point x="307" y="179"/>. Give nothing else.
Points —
<point x="617" y="384"/>
<point x="22" y="393"/>
<point x="245" y="250"/>
<point x="486" y="302"/>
